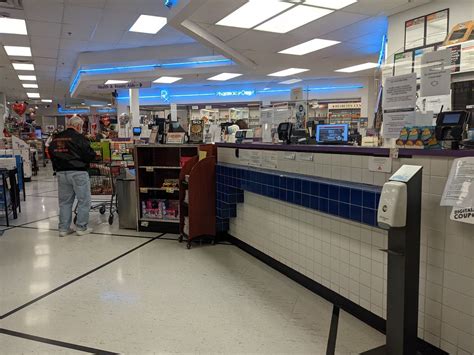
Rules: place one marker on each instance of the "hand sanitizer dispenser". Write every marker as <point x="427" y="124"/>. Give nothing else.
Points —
<point x="392" y="211"/>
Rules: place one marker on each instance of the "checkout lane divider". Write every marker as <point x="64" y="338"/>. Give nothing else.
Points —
<point x="8" y="314"/>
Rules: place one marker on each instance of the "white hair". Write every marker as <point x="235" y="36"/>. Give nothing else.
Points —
<point x="75" y="121"/>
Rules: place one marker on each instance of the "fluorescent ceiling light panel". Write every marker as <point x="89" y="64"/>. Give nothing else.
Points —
<point x="291" y="81"/>
<point x="13" y="26"/>
<point x="23" y="66"/>
<point x="294" y="18"/>
<point x="330" y="4"/>
<point x="47" y="100"/>
<point x="112" y="82"/>
<point x="224" y="76"/>
<point x="253" y="13"/>
<point x="33" y="95"/>
<point x="30" y="86"/>
<point x="359" y="67"/>
<point x="149" y="24"/>
<point x="310" y="46"/>
<point x="167" y="80"/>
<point x="27" y="77"/>
<point x="16" y="51"/>
<point x="288" y="72"/>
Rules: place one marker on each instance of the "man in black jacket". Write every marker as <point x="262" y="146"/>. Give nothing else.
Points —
<point x="71" y="154"/>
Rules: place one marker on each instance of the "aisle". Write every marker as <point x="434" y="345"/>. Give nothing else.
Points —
<point x="121" y="291"/>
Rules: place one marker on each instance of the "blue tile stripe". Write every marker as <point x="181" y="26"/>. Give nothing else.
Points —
<point x="352" y="201"/>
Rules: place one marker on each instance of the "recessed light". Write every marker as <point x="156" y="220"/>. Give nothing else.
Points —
<point x="288" y="72"/>
<point x="149" y="24"/>
<point x="330" y="4"/>
<point x="224" y="76"/>
<point x="293" y="18"/>
<point x="359" y="67"/>
<point x="291" y="81"/>
<point x="13" y="26"/>
<point x="167" y="80"/>
<point x="27" y="77"/>
<point x="16" y="51"/>
<point x="112" y="82"/>
<point x="310" y="46"/>
<point x="30" y="86"/>
<point x="33" y="95"/>
<point x="253" y="13"/>
<point x="47" y="100"/>
<point x="23" y="66"/>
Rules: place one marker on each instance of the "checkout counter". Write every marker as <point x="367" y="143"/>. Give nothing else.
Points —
<point x="310" y="211"/>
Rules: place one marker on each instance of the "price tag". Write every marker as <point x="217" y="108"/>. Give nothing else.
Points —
<point x="144" y="224"/>
<point x="143" y="190"/>
<point x="169" y="190"/>
<point x="150" y="169"/>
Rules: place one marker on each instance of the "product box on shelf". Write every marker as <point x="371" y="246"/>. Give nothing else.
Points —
<point x="159" y="209"/>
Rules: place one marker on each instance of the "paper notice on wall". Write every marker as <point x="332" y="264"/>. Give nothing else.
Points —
<point x="436" y="73"/>
<point x="464" y="215"/>
<point x="459" y="189"/>
<point x="415" y="33"/>
<point x="467" y="56"/>
<point x="434" y="103"/>
<point x="244" y="156"/>
<point x="417" y="59"/>
<point x="255" y="158"/>
<point x="424" y="118"/>
<point x="403" y="63"/>
<point x="380" y="164"/>
<point x="269" y="160"/>
<point x="400" y="92"/>
<point x="174" y="113"/>
<point x="266" y="115"/>
<point x="393" y="122"/>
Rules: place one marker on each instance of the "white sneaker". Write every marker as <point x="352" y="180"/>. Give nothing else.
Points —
<point x="84" y="232"/>
<point x="64" y="234"/>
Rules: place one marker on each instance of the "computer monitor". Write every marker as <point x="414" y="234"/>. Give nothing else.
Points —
<point x="137" y="131"/>
<point x="332" y="133"/>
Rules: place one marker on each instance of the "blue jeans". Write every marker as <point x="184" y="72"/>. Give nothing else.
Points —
<point x="71" y="185"/>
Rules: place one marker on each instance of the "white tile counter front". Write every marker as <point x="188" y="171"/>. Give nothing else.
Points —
<point x="344" y="256"/>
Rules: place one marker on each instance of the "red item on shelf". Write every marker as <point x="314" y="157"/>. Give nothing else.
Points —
<point x="184" y="160"/>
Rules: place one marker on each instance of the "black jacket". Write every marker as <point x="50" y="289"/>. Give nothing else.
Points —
<point x="71" y="151"/>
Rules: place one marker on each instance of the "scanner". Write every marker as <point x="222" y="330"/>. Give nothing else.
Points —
<point x="452" y="126"/>
<point x="284" y="132"/>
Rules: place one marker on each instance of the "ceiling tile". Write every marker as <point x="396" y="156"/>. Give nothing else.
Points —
<point x="44" y="43"/>
<point x="44" y="10"/>
<point x="72" y="45"/>
<point x="107" y="35"/>
<point x="82" y="15"/>
<point x="88" y="3"/>
<point x="81" y="32"/>
<point x="46" y="29"/>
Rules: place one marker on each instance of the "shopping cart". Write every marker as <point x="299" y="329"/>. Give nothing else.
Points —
<point x="102" y="177"/>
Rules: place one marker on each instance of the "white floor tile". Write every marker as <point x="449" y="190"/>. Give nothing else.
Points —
<point x="33" y="262"/>
<point x="14" y="345"/>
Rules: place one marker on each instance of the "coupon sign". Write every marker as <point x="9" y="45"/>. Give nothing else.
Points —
<point x="464" y="215"/>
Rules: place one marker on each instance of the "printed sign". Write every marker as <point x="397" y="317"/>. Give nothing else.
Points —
<point x="459" y="189"/>
<point x="345" y="105"/>
<point x="464" y="215"/>
<point x="435" y="73"/>
<point x="130" y="85"/>
<point x="381" y="165"/>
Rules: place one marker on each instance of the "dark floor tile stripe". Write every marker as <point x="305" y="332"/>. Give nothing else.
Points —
<point x="331" y="349"/>
<point x="77" y="278"/>
<point x="61" y="344"/>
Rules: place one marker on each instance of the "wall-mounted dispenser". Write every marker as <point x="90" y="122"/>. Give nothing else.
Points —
<point x="393" y="205"/>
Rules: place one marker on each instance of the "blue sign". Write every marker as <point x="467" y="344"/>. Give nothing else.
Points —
<point x="165" y="95"/>
<point x="169" y="3"/>
<point x="236" y="93"/>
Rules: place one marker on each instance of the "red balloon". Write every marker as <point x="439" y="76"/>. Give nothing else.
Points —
<point x="20" y="109"/>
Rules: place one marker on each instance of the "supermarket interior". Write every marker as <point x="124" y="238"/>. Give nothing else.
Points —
<point x="237" y="176"/>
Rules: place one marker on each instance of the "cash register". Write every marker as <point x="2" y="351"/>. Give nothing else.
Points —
<point x="452" y="127"/>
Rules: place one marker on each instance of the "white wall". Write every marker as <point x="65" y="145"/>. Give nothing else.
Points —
<point x="459" y="11"/>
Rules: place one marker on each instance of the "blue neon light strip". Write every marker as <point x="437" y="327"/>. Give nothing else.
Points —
<point x="382" y="50"/>
<point x="72" y="111"/>
<point x="249" y="92"/>
<point x="122" y="69"/>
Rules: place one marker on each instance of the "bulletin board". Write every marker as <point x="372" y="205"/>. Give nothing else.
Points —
<point x="426" y="30"/>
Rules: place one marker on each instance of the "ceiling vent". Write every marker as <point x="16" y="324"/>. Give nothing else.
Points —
<point x="11" y="4"/>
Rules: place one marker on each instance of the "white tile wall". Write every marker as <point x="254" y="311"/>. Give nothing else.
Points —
<point x="345" y="257"/>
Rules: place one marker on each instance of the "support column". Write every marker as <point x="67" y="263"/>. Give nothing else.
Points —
<point x="135" y="107"/>
<point x="3" y="111"/>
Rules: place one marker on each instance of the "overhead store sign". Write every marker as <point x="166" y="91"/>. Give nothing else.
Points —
<point x="236" y="93"/>
<point x="130" y="85"/>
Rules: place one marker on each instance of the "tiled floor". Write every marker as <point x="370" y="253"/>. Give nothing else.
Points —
<point x="126" y="292"/>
